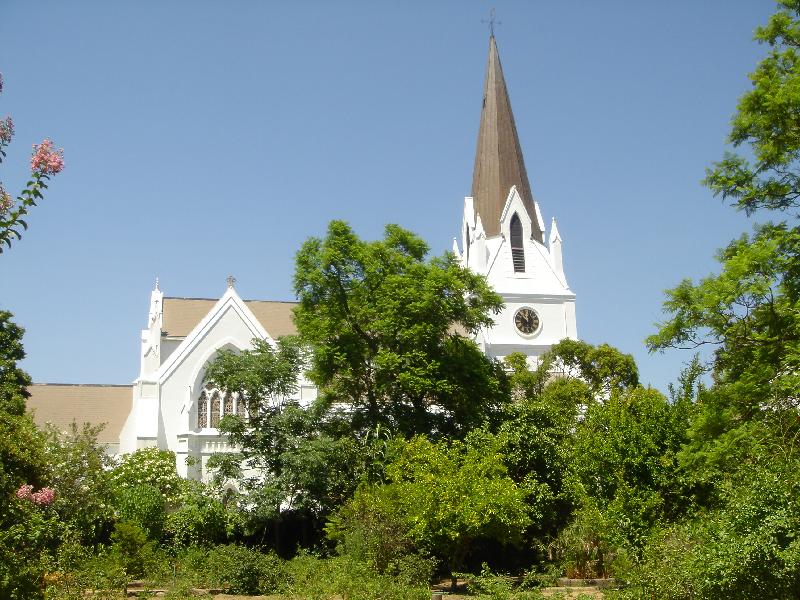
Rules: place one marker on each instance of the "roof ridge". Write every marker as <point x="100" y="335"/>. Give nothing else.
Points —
<point x="243" y="299"/>
<point x="128" y="385"/>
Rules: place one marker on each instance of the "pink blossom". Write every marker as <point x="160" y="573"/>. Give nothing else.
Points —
<point x="24" y="492"/>
<point x="46" y="160"/>
<point x="6" y="201"/>
<point x="6" y="130"/>
<point x="44" y="496"/>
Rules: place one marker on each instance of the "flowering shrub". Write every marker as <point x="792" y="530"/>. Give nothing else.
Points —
<point x="149" y="466"/>
<point x="43" y="497"/>
<point x="6" y="130"/>
<point x="45" y="162"/>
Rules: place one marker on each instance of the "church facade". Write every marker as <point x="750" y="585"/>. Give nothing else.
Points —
<point x="169" y="405"/>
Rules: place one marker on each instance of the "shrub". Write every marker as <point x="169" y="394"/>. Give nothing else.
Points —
<point x="197" y="524"/>
<point x="142" y="505"/>
<point x="243" y="570"/>
<point x="150" y="466"/>
<point x="131" y="550"/>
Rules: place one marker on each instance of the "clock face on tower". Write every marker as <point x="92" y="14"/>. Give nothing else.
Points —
<point x="527" y="321"/>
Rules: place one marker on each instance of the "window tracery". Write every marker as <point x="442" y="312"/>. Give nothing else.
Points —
<point x="213" y="404"/>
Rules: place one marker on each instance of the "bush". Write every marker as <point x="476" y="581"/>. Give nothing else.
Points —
<point x="150" y="466"/>
<point x="198" y="524"/>
<point x="131" y="550"/>
<point x="311" y="577"/>
<point x="142" y="505"/>
<point x="243" y="570"/>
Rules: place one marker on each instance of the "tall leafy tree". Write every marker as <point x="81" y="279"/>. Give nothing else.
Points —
<point x="291" y="457"/>
<point x="742" y="452"/>
<point x="386" y="325"/>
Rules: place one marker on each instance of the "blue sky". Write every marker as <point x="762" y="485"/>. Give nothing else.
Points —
<point x="208" y="138"/>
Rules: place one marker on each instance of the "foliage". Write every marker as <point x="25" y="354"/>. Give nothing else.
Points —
<point x="152" y="467"/>
<point x="13" y="380"/>
<point x="77" y="469"/>
<point x="537" y="436"/>
<point x="142" y="505"/>
<point x="132" y="549"/>
<point x="765" y="122"/>
<point x="45" y="162"/>
<point x="375" y="535"/>
<point x="28" y="532"/>
<point x="603" y="368"/>
<point x="291" y="457"/>
<point x="625" y="459"/>
<point x="383" y="322"/>
<point x="28" y="538"/>
<point x="449" y="495"/>
<point x="201" y="520"/>
<point x="747" y="548"/>
<point x="311" y="577"/>
<point x="589" y="546"/>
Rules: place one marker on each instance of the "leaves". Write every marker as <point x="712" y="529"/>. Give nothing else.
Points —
<point x="383" y="322"/>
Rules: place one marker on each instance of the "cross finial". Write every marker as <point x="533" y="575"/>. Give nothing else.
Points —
<point x="231" y="280"/>
<point x="492" y="21"/>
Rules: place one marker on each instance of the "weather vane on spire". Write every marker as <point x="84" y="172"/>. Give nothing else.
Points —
<point x="492" y="21"/>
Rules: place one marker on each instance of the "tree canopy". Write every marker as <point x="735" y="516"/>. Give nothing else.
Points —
<point x="386" y="326"/>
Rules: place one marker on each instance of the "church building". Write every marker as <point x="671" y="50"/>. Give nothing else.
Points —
<point x="169" y="406"/>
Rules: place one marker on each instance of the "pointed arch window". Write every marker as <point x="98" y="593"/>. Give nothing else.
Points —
<point x="214" y="403"/>
<point x="202" y="410"/>
<point x="228" y="410"/>
<point x="215" y="410"/>
<point x="517" y="246"/>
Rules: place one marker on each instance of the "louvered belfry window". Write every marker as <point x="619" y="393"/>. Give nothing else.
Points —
<point x="517" y="247"/>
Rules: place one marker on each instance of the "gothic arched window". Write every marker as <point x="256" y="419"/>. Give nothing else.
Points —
<point x="215" y="410"/>
<point x="240" y="406"/>
<point x="228" y="404"/>
<point x="202" y="410"/>
<point x="517" y="246"/>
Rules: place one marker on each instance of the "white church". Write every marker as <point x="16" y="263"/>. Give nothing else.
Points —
<point x="169" y="407"/>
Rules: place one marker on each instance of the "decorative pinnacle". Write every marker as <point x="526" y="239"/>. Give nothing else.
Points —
<point x="158" y="289"/>
<point x="230" y="280"/>
<point x="492" y="21"/>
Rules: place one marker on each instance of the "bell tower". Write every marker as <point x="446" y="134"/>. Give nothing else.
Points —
<point x="503" y="236"/>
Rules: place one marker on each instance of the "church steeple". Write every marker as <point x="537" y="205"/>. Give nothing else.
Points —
<point x="498" y="159"/>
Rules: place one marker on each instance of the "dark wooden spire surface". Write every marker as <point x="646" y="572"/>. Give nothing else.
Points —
<point x="498" y="158"/>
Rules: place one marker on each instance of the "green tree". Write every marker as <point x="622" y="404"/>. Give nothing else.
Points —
<point x="292" y="458"/>
<point x="603" y="368"/>
<point x="385" y="325"/>
<point x="78" y="470"/>
<point x="625" y="459"/>
<point x="537" y="438"/>
<point x="449" y="495"/>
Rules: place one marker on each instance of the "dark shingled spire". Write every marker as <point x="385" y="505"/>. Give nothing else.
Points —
<point x="498" y="158"/>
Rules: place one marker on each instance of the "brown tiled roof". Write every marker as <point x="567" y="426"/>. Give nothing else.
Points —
<point x="61" y="404"/>
<point x="181" y="315"/>
<point x="498" y="157"/>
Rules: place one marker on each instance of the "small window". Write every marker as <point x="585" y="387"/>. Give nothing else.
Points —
<point x="202" y="411"/>
<point x="228" y="404"/>
<point x="517" y="246"/>
<point x="216" y="409"/>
